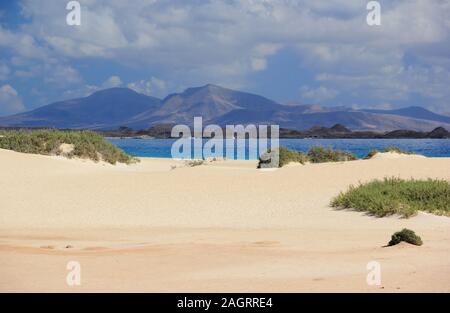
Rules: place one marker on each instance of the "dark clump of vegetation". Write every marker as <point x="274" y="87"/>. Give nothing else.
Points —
<point x="406" y="235"/>
<point x="397" y="196"/>
<point x="193" y="163"/>
<point x="321" y="155"/>
<point x="85" y="144"/>
<point x="284" y="156"/>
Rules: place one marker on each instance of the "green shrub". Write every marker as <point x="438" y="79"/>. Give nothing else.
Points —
<point x="397" y="196"/>
<point x="287" y="156"/>
<point x="320" y="155"/>
<point x="405" y="235"/>
<point x="315" y="155"/>
<point x="283" y="155"/>
<point x="86" y="144"/>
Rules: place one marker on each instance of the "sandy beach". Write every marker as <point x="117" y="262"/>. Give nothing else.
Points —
<point x="161" y="226"/>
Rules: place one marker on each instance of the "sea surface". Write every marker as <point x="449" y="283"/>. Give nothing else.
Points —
<point x="161" y="148"/>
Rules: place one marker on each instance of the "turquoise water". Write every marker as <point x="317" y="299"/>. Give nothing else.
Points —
<point x="429" y="147"/>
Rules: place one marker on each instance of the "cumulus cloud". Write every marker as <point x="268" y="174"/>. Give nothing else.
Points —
<point x="10" y="101"/>
<point x="22" y="43"/>
<point x="259" y="64"/>
<point x="113" y="81"/>
<point x="227" y="41"/>
<point x="4" y="71"/>
<point x="152" y="87"/>
<point x="318" y="94"/>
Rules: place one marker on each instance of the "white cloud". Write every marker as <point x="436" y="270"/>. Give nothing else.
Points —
<point x="10" y="101"/>
<point x="152" y="87"/>
<point x="225" y="42"/>
<point x="259" y="64"/>
<point x="4" y="71"/>
<point x="23" y="44"/>
<point x="58" y="74"/>
<point x="318" y="94"/>
<point x="394" y="83"/>
<point x="113" y="81"/>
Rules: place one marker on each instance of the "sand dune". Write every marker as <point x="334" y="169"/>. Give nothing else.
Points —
<point x="224" y="226"/>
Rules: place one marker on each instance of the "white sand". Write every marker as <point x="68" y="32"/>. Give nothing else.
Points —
<point x="224" y="226"/>
<point x="394" y="155"/>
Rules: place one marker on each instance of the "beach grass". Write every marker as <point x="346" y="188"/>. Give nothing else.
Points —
<point x="315" y="154"/>
<point x="284" y="155"/>
<point x="318" y="154"/>
<point x="84" y="144"/>
<point x="387" y="149"/>
<point x="287" y="156"/>
<point x="397" y="150"/>
<point x="397" y="196"/>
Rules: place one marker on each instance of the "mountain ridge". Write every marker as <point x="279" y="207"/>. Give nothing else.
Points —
<point x="116" y="107"/>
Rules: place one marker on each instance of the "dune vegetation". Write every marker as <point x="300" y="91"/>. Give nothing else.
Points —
<point x="319" y="154"/>
<point x="315" y="154"/>
<point x="397" y="196"/>
<point x="388" y="149"/>
<point x="284" y="155"/>
<point x="81" y="144"/>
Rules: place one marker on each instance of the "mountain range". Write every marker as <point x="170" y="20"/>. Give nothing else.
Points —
<point x="116" y="107"/>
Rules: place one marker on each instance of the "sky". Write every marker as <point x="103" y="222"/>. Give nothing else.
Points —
<point x="291" y="51"/>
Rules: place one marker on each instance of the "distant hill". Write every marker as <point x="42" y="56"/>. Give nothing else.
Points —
<point x="116" y="107"/>
<point x="210" y="101"/>
<point x="336" y="131"/>
<point x="415" y="112"/>
<point x="99" y="110"/>
<point x="355" y="120"/>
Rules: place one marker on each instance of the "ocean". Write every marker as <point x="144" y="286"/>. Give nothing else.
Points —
<point x="161" y="148"/>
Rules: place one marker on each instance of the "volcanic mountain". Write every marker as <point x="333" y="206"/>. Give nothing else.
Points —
<point x="116" y="107"/>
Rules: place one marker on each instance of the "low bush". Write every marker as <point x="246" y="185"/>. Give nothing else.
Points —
<point x="397" y="196"/>
<point x="283" y="156"/>
<point x="320" y="155"/>
<point x="86" y="144"/>
<point x="405" y="235"/>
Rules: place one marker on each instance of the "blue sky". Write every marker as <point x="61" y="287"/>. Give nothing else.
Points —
<point x="305" y="51"/>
